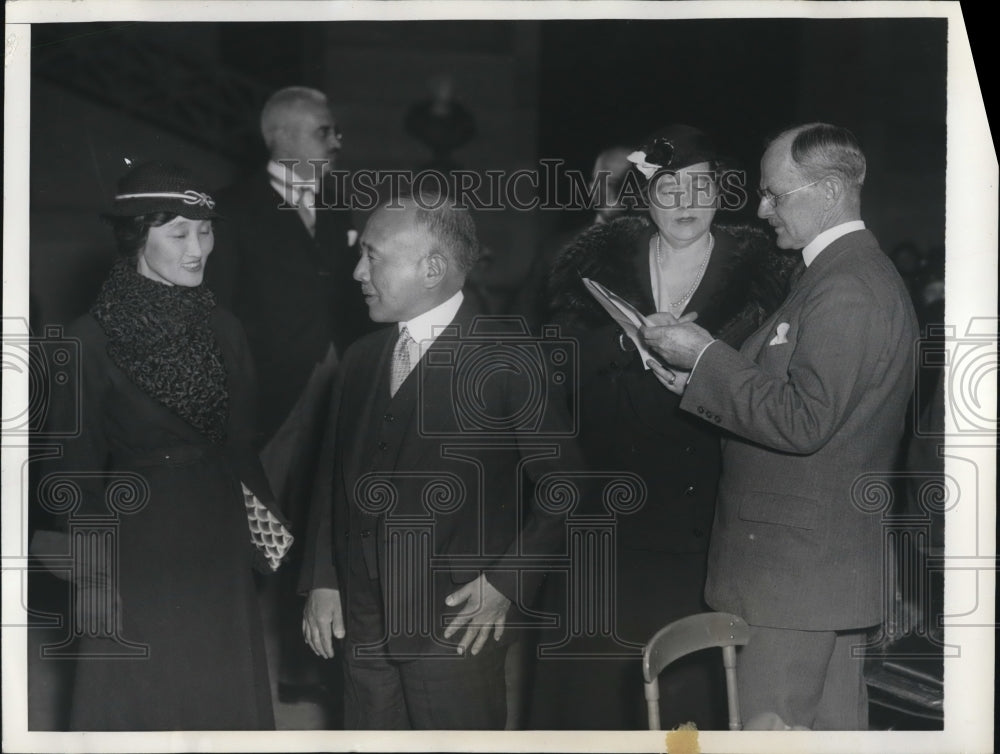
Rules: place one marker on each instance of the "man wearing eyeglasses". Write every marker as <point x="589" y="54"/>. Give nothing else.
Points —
<point x="282" y="263"/>
<point x="814" y="403"/>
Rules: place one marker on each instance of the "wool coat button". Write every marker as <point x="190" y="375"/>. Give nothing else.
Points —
<point x="382" y="445"/>
<point x="690" y="490"/>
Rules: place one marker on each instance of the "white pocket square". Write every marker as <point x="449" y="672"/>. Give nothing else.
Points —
<point x="781" y="335"/>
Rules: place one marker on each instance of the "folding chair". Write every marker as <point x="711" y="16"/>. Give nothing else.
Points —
<point x="692" y="634"/>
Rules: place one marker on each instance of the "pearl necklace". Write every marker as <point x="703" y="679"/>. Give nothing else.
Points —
<point x="697" y="279"/>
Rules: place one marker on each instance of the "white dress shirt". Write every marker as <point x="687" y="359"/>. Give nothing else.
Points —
<point x="827" y="237"/>
<point x="809" y="254"/>
<point x="425" y="328"/>
<point x="294" y="190"/>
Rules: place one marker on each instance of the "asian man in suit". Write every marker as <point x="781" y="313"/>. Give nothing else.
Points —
<point x="814" y="403"/>
<point x="433" y="440"/>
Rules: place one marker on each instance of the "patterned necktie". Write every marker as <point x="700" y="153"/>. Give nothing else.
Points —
<point x="400" y="360"/>
<point x="306" y="207"/>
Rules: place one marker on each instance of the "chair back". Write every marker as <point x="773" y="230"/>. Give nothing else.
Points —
<point x="693" y="634"/>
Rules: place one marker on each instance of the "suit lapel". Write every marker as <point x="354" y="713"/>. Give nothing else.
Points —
<point x="649" y="405"/>
<point x="361" y="398"/>
<point x="297" y="239"/>
<point x="640" y="261"/>
<point x="804" y="278"/>
<point x="428" y="393"/>
<point x="713" y="281"/>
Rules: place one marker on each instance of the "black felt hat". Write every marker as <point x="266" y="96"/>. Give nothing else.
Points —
<point x="161" y="187"/>
<point x="672" y="148"/>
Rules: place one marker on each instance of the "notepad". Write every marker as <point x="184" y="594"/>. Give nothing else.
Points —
<point x="627" y="316"/>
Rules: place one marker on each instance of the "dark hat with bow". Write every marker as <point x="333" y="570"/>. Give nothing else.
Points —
<point x="161" y="187"/>
<point x="672" y="148"/>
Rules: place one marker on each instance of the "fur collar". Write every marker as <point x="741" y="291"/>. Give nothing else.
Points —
<point x="746" y="278"/>
<point x="161" y="337"/>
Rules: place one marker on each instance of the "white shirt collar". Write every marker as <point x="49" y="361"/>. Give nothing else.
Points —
<point x="425" y="327"/>
<point x="827" y="237"/>
<point x="287" y="182"/>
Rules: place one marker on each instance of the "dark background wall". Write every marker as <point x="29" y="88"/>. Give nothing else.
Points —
<point x="557" y="89"/>
<point x="885" y="79"/>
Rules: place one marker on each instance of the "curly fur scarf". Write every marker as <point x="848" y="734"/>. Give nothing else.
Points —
<point x="746" y="281"/>
<point x="160" y="337"/>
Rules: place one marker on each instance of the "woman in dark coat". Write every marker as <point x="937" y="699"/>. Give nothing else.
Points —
<point x="169" y="632"/>
<point x="679" y="261"/>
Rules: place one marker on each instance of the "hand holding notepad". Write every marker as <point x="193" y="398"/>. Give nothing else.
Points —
<point x="627" y="316"/>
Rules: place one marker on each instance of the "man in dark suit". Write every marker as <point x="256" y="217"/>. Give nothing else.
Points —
<point x="282" y="264"/>
<point x="816" y="401"/>
<point x="414" y="546"/>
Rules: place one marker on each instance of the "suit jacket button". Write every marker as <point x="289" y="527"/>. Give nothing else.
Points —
<point x="690" y="490"/>
<point x="689" y="450"/>
<point x="389" y="418"/>
<point x="366" y="533"/>
<point x="718" y="420"/>
<point x="382" y="445"/>
<point x="701" y="409"/>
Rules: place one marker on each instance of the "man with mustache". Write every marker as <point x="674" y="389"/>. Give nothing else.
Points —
<point x="815" y="403"/>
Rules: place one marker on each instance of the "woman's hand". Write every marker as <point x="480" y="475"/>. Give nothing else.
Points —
<point x="672" y="379"/>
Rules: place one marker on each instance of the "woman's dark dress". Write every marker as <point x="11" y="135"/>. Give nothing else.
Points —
<point x="184" y="559"/>
<point x="630" y="423"/>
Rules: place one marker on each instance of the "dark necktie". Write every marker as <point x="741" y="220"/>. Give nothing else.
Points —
<point x="797" y="272"/>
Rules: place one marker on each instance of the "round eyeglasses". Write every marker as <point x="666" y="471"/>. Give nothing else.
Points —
<point x="772" y="199"/>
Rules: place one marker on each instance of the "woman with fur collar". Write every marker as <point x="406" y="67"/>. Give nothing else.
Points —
<point x="169" y="634"/>
<point x="679" y="261"/>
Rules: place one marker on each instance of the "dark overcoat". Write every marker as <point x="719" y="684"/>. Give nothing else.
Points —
<point x="181" y="537"/>
<point x="631" y="423"/>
